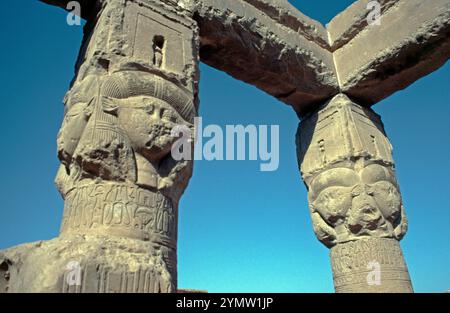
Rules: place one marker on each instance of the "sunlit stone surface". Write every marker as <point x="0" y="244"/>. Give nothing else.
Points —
<point x="137" y="77"/>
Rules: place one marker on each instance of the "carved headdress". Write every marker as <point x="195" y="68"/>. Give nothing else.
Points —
<point x="338" y="134"/>
<point x="122" y="85"/>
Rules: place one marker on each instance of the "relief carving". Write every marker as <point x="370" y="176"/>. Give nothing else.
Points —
<point x="346" y="163"/>
<point x="123" y="210"/>
<point x="354" y="198"/>
<point x="120" y="130"/>
<point x="350" y="263"/>
<point x="117" y="175"/>
<point x="347" y="204"/>
<point x="101" y="278"/>
<point x="136" y="79"/>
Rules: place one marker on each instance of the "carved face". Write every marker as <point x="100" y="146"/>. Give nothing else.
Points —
<point x="75" y="120"/>
<point x="148" y="122"/>
<point x="356" y="203"/>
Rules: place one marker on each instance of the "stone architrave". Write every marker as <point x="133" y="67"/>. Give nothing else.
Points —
<point x="137" y="77"/>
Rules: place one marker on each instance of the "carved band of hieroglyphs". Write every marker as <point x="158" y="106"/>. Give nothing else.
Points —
<point x="120" y="209"/>
<point x="102" y="279"/>
<point x="352" y="263"/>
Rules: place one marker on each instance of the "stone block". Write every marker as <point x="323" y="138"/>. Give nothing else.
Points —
<point x="411" y="41"/>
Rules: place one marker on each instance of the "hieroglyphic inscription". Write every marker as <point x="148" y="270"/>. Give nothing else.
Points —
<point x="351" y="260"/>
<point x="102" y="279"/>
<point x="121" y="209"/>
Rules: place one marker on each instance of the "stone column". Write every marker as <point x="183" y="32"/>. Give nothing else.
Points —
<point x="136" y="79"/>
<point x="354" y="198"/>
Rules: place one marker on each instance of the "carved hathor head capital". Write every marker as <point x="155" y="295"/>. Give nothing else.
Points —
<point x="346" y="163"/>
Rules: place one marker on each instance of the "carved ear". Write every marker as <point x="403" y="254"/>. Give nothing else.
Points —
<point x="402" y="227"/>
<point x="312" y="208"/>
<point x="324" y="232"/>
<point x="110" y="105"/>
<point x="90" y="107"/>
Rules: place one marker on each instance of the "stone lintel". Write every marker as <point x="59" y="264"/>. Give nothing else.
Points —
<point x="349" y="23"/>
<point x="411" y="42"/>
<point x="251" y="45"/>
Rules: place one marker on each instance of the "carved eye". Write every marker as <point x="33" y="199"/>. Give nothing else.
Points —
<point x="328" y="195"/>
<point x="75" y="109"/>
<point x="169" y="116"/>
<point x="370" y="191"/>
<point x="149" y="108"/>
<point x="392" y="191"/>
<point x="356" y="192"/>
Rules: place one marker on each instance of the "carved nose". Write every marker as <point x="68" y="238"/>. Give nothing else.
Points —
<point x="361" y="190"/>
<point x="156" y="116"/>
<point x="369" y="190"/>
<point x="363" y="200"/>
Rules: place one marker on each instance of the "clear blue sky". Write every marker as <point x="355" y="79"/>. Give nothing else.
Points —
<point x="240" y="229"/>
